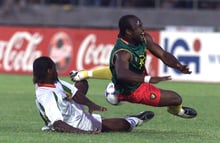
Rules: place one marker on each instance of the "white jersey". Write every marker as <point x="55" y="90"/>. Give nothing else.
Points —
<point x="54" y="102"/>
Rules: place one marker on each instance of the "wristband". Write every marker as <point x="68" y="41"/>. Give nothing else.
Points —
<point x="147" y="79"/>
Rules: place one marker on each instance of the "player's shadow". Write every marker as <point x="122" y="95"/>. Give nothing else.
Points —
<point x="167" y="132"/>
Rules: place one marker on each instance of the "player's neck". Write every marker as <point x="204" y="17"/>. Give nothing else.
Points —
<point x="129" y="41"/>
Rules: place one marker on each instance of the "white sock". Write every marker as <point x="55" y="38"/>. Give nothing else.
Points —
<point x="133" y="122"/>
<point x="181" y="112"/>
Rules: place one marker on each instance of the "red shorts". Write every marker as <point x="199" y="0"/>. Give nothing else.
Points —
<point x="145" y="94"/>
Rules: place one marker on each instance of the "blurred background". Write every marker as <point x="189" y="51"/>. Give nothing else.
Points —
<point x="155" y="14"/>
<point x="79" y="34"/>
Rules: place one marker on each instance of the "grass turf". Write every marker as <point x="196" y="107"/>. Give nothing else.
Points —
<point x="21" y="123"/>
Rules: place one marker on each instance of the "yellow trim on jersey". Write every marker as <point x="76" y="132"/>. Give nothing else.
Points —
<point x="67" y="91"/>
<point x="126" y="42"/>
<point x="122" y="49"/>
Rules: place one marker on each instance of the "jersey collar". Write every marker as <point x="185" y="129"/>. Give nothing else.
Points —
<point x="123" y="40"/>
<point x="46" y="85"/>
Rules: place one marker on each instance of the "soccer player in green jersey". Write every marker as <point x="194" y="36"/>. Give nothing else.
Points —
<point x="129" y="75"/>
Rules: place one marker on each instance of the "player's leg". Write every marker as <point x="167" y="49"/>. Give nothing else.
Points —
<point x="82" y="86"/>
<point x="149" y="94"/>
<point x="126" y="124"/>
<point x="174" y="102"/>
<point x="101" y="73"/>
<point x="96" y="73"/>
<point x="169" y="98"/>
<point x="115" y="124"/>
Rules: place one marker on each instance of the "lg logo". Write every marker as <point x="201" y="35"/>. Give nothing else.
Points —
<point x="187" y="55"/>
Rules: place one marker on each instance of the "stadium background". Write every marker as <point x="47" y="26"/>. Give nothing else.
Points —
<point x="187" y="28"/>
<point x="80" y="34"/>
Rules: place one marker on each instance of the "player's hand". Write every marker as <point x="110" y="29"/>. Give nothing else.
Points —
<point x="78" y="75"/>
<point x="184" y="69"/>
<point x="157" y="79"/>
<point x="93" y="107"/>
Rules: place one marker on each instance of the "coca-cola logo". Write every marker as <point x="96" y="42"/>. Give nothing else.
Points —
<point x="91" y="54"/>
<point x="19" y="52"/>
<point x="60" y="50"/>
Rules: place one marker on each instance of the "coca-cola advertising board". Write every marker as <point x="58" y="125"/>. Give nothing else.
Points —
<point x="70" y="48"/>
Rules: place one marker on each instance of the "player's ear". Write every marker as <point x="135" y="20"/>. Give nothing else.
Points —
<point x="128" y="32"/>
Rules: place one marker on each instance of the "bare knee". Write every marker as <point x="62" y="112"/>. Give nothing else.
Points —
<point x="176" y="99"/>
<point x="170" y="98"/>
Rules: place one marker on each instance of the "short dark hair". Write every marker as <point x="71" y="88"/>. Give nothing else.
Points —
<point x="40" y="68"/>
<point x="125" y="24"/>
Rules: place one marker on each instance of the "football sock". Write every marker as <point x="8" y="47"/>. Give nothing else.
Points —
<point x="175" y="109"/>
<point x="133" y="122"/>
<point x="100" y="73"/>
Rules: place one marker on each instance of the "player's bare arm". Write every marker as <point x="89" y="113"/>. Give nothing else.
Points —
<point x="82" y="99"/>
<point x="167" y="58"/>
<point x="121" y="60"/>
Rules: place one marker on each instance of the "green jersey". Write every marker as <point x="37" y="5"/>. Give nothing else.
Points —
<point x="136" y="64"/>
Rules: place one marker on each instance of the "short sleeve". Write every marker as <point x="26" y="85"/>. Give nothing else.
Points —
<point x="48" y="102"/>
<point x="69" y="89"/>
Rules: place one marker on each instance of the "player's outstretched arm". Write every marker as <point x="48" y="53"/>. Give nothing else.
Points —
<point x="155" y="80"/>
<point x="82" y="99"/>
<point x="167" y="58"/>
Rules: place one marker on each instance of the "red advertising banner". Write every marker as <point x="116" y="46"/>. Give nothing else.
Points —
<point x="70" y="48"/>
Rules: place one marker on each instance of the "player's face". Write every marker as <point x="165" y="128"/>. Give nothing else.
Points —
<point x="138" y="34"/>
<point x="52" y="74"/>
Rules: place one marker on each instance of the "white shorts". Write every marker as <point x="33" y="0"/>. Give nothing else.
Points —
<point x="91" y="122"/>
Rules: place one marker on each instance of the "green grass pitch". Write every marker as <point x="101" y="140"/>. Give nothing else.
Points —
<point x="21" y="123"/>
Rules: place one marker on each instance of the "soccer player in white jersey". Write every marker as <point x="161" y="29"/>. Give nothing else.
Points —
<point x="61" y="105"/>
